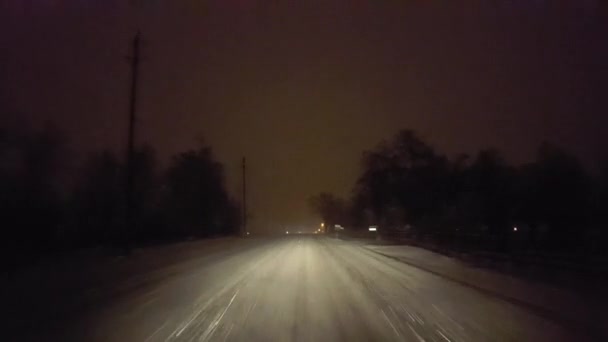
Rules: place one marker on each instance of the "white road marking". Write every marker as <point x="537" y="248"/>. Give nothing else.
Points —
<point x="442" y="335"/>
<point x="228" y="333"/>
<point x="448" y="317"/>
<point x="251" y="308"/>
<point x="149" y="338"/>
<point x="408" y="313"/>
<point x="415" y="333"/>
<point x="193" y="317"/>
<point x="390" y="323"/>
<point x="211" y="329"/>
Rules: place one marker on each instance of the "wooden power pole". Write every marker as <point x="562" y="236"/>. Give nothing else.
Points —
<point x="244" y="232"/>
<point x="134" y="59"/>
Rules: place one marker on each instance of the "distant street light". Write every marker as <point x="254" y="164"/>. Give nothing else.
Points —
<point x="514" y="229"/>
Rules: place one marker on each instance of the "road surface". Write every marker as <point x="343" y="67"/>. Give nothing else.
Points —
<point x="297" y="288"/>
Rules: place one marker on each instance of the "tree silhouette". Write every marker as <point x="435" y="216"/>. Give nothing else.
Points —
<point x="99" y="199"/>
<point x="33" y="206"/>
<point x="195" y="197"/>
<point x="405" y="175"/>
<point x="555" y="198"/>
<point x="476" y="203"/>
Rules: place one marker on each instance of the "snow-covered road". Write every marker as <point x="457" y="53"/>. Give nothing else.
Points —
<point x="296" y="288"/>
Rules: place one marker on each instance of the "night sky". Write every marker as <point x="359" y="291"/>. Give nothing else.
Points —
<point x="302" y="87"/>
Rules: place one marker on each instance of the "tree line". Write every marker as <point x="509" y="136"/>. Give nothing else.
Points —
<point x="552" y="204"/>
<point x="50" y="203"/>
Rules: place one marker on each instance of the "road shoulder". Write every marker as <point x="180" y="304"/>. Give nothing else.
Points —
<point x="567" y="306"/>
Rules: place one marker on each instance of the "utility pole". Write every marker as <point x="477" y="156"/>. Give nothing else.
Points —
<point x="244" y="232"/>
<point x="131" y="136"/>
